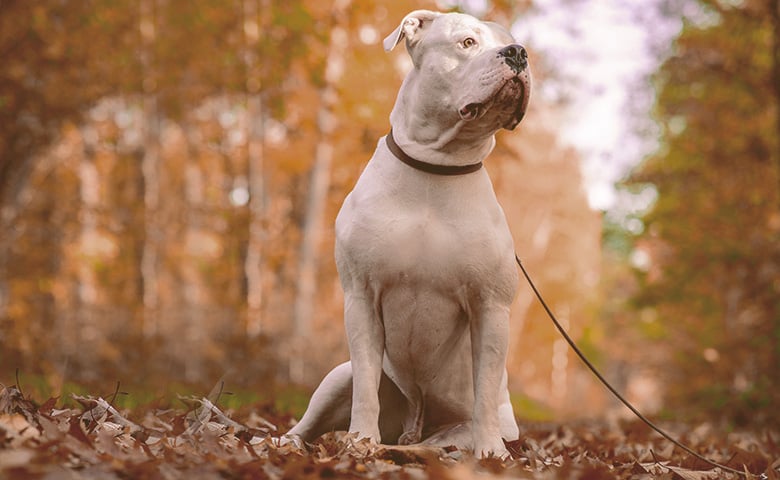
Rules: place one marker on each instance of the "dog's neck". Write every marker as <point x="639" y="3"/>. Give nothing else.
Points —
<point x="432" y="168"/>
<point x="447" y="151"/>
<point x="446" y="141"/>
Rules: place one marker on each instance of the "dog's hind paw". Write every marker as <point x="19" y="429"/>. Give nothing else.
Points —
<point x="410" y="438"/>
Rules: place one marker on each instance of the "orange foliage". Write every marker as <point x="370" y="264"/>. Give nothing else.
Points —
<point x="129" y="234"/>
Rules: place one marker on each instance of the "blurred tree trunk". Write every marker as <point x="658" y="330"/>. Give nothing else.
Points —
<point x="83" y="319"/>
<point x="7" y="216"/>
<point x="4" y="291"/>
<point x="14" y="176"/>
<point x="254" y="262"/>
<point x="150" y="169"/>
<point x="319" y="183"/>
<point x="774" y="9"/>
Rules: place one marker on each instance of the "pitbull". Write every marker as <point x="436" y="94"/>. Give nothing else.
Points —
<point x="424" y="253"/>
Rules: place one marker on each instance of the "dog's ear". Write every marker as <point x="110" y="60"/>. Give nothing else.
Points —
<point x="410" y="28"/>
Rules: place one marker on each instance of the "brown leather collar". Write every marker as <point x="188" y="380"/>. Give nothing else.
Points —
<point x="428" y="167"/>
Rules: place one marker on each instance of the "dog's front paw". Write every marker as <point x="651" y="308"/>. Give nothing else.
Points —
<point x="490" y="447"/>
<point x="361" y="445"/>
<point x="366" y="433"/>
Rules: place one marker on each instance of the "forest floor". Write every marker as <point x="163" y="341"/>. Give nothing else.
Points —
<point x="93" y="439"/>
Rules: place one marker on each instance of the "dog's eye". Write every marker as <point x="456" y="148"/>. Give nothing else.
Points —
<point x="468" y="42"/>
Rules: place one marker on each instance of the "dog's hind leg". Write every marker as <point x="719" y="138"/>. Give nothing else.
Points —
<point x="330" y="406"/>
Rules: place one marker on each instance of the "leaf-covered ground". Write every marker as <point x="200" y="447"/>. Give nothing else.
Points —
<point x="95" y="440"/>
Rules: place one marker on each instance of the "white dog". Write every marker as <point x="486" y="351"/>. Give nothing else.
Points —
<point x="424" y="252"/>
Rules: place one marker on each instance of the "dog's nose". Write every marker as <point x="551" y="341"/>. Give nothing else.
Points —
<point x="515" y="52"/>
<point x="515" y="56"/>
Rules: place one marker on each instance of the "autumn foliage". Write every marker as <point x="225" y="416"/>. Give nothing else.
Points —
<point x="92" y="439"/>
<point x="169" y="175"/>
<point x="170" y="210"/>
<point x="711" y="294"/>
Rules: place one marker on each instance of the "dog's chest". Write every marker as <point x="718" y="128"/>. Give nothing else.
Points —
<point x="427" y="233"/>
<point x="425" y="237"/>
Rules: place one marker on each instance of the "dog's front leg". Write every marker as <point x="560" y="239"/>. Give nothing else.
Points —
<point x="366" y="337"/>
<point x="489" y="333"/>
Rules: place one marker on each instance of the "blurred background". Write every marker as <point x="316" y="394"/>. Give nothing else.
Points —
<point x="170" y="171"/>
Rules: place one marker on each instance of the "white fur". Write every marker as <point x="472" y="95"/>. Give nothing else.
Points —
<point x="427" y="261"/>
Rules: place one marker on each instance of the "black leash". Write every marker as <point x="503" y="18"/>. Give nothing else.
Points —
<point x="461" y="170"/>
<point x="612" y="389"/>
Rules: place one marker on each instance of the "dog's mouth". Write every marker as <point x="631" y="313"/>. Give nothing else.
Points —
<point x="472" y="111"/>
<point x="518" y="90"/>
<point x="510" y="101"/>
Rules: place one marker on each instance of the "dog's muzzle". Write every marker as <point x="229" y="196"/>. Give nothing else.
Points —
<point x="516" y="57"/>
<point x="510" y="98"/>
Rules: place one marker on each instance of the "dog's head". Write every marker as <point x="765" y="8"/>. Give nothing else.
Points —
<point x="474" y="69"/>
